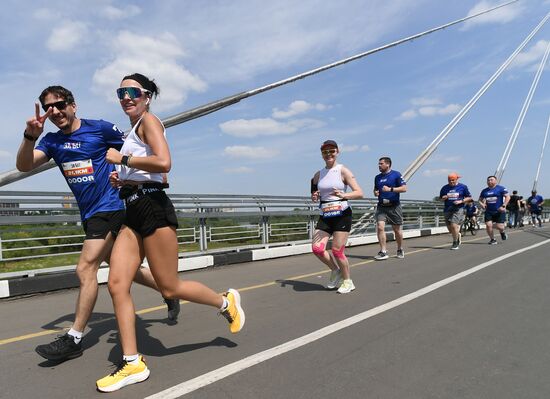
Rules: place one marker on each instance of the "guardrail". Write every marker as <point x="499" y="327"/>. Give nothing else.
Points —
<point x="41" y="225"/>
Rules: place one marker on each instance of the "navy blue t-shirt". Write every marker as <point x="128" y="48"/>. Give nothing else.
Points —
<point x="391" y="179"/>
<point x="470" y="209"/>
<point x="80" y="157"/>
<point x="535" y="202"/>
<point x="454" y="193"/>
<point x="494" y="197"/>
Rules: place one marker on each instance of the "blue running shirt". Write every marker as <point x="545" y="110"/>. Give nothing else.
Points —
<point x="80" y="157"/>
<point x="470" y="209"/>
<point x="494" y="197"/>
<point x="391" y="179"/>
<point x="454" y="193"/>
<point x="535" y="202"/>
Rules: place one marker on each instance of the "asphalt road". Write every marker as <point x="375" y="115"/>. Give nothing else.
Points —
<point x="472" y="323"/>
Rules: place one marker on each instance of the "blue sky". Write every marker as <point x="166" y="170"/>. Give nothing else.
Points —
<point x="392" y="103"/>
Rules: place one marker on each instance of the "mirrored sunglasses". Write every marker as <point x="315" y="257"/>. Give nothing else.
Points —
<point x="133" y="92"/>
<point x="332" y="151"/>
<point x="60" y="105"/>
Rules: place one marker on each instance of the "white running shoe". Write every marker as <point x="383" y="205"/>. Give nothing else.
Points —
<point x="335" y="279"/>
<point x="346" y="287"/>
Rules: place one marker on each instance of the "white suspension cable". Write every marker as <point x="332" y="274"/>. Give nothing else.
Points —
<point x="14" y="175"/>
<point x="515" y="132"/>
<point x="541" y="154"/>
<point x="419" y="161"/>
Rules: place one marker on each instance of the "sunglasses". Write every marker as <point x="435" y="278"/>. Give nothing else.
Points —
<point x="133" y="92"/>
<point x="329" y="152"/>
<point x="60" y="105"/>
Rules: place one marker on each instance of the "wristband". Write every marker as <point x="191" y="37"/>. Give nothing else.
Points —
<point x="391" y="189"/>
<point x="29" y="137"/>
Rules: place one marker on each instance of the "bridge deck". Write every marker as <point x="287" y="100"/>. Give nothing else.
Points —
<point x="483" y="335"/>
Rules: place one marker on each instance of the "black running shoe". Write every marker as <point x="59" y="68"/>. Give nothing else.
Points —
<point x="63" y="348"/>
<point x="173" y="308"/>
<point x="504" y="236"/>
<point x="492" y="241"/>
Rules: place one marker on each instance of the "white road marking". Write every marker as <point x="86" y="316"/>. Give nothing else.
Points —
<point x="232" y="368"/>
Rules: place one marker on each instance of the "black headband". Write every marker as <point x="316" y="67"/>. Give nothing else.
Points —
<point x="142" y="80"/>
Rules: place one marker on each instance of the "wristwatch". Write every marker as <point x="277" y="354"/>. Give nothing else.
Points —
<point x="29" y="137"/>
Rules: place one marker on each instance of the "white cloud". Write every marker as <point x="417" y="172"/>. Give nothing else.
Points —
<point x="155" y="57"/>
<point x="348" y="148"/>
<point x="267" y="127"/>
<point x="424" y="101"/>
<point x="433" y="111"/>
<point x="297" y="107"/>
<point x="409" y="114"/>
<point x="364" y="148"/>
<point x="114" y="13"/>
<point x="240" y="151"/>
<point x="388" y="127"/>
<point x="238" y="170"/>
<point x="501" y="16"/>
<point x="66" y="36"/>
<point x="530" y="57"/>
<point x="436" y="172"/>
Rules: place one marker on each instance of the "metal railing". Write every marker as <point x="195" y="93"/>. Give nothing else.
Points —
<point x="41" y="225"/>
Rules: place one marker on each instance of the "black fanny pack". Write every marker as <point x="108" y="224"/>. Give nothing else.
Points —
<point x="128" y="190"/>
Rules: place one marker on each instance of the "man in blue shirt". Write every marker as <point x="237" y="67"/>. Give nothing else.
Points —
<point x="534" y="204"/>
<point x="387" y="187"/>
<point x="494" y="199"/>
<point x="455" y="195"/>
<point x="79" y="149"/>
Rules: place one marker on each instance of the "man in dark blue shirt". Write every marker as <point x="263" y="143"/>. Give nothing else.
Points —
<point x="455" y="195"/>
<point x="534" y="203"/>
<point x="79" y="149"/>
<point x="494" y="199"/>
<point x="387" y="187"/>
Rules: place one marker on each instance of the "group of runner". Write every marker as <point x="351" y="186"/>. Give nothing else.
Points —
<point x="118" y="182"/>
<point x="329" y="186"/>
<point x="494" y="200"/>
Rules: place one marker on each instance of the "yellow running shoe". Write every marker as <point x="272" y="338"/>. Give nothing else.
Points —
<point x="125" y="374"/>
<point x="233" y="312"/>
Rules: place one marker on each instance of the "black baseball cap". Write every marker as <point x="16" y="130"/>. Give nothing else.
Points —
<point x="329" y="143"/>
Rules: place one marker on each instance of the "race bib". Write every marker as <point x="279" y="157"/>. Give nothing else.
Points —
<point x="78" y="171"/>
<point x="332" y="209"/>
<point x="492" y="200"/>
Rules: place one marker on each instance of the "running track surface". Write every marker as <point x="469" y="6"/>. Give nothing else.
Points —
<point x="472" y="323"/>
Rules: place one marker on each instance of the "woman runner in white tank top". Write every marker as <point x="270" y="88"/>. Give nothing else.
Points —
<point x="149" y="230"/>
<point x="328" y="186"/>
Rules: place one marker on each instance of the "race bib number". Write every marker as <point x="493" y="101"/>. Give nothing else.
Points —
<point x="78" y="171"/>
<point x="332" y="209"/>
<point x="492" y="200"/>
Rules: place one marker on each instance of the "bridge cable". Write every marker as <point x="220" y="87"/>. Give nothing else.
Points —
<point x="519" y="123"/>
<point x="541" y="154"/>
<point x="419" y="161"/>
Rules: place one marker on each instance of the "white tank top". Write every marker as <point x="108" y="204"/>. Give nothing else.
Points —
<point x="133" y="145"/>
<point x="330" y="179"/>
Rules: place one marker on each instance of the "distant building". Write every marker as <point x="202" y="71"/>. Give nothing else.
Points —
<point x="5" y="212"/>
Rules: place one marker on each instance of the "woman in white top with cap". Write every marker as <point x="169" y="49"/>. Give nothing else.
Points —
<point x="329" y="186"/>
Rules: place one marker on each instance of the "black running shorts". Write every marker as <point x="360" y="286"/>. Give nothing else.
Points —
<point x="149" y="210"/>
<point x="336" y="223"/>
<point x="495" y="217"/>
<point x="101" y="223"/>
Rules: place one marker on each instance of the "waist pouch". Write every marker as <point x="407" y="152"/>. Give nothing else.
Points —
<point x="131" y="192"/>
